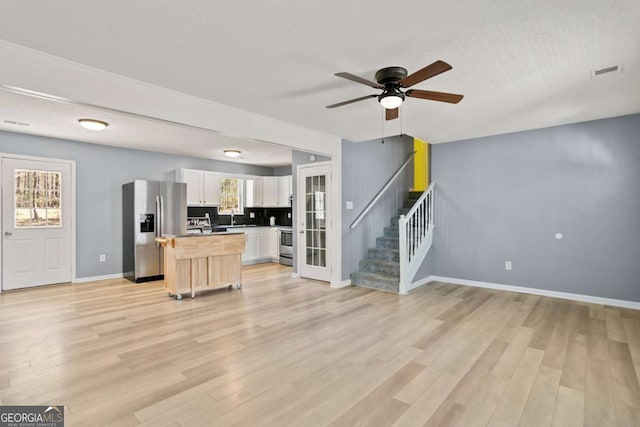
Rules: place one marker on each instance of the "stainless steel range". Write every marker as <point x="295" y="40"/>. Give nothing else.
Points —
<point x="286" y="246"/>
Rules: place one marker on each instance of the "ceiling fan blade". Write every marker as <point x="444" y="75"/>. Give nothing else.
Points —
<point x="391" y="114"/>
<point x="357" y="79"/>
<point x="351" y="101"/>
<point x="434" y="96"/>
<point x="427" y="72"/>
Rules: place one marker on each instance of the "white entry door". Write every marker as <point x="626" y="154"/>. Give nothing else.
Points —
<point x="36" y="223"/>
<point x="314" y="256"/>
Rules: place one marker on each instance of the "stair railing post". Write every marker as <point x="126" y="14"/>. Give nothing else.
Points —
<point x="402" y="242"/>
<point x="433" y="208"/>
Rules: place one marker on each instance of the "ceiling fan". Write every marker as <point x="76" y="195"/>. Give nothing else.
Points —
<point x="393" y="79"/>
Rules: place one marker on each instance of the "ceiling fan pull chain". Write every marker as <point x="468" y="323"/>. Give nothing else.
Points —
<point x="382" y="120"/>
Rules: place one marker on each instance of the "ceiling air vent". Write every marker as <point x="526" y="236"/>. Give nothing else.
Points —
<point x="614" y="69"/>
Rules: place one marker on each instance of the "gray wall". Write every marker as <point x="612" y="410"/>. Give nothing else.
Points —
<point x="299" y="158"/>
<point x="366" y="167"/>
<point x="505" y="197"/>
<point x="282" y="171"/>
<point x="100" y="173"/>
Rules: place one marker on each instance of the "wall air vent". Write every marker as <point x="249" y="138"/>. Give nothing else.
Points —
<point x="614" y="69"/>
<point x="12" y="122"/>
<point x="606" y="70"/>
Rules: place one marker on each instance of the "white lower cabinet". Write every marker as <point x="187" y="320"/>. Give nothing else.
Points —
<point x="253" y="245"/>
<point x="270" y="243"/>
<point x="262" y="245"/>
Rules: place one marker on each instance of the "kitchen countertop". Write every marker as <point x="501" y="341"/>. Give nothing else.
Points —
<point x="241" y="226"/>
<point x="217" y="233"/>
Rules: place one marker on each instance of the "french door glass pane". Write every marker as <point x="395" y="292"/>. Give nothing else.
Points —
<point x="36" y="198"/>
<point x="315" y="215"/>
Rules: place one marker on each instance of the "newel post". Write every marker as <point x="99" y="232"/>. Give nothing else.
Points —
<point x="402" y="234"/>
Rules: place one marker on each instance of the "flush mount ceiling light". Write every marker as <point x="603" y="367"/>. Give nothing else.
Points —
<point x="93" y="124"/>
<point x="232" y="153"/>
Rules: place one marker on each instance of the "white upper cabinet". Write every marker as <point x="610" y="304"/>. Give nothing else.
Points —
<point x="203" y="188"/>
<point x="270" y="191"/>
<point x="211" y="189"/>
<point x="194" y="182"/>
<point x="284" y="191"/>
<point x="253" y="192"/>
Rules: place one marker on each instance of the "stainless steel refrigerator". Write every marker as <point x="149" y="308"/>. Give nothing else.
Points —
<point x="149" y="210"/>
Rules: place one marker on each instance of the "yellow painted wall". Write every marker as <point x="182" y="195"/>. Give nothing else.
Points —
<point x="421" y="165"/>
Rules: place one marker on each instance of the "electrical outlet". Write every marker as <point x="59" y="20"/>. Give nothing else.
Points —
<point x="288" y="214"/>
<point x="507" y="265"/>
<point x="103" y="258"/>
<point x="349" y="205"/>
<point x="252" y="214"/>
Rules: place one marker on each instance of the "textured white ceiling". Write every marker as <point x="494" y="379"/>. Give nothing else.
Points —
<point x="520" y="64"/>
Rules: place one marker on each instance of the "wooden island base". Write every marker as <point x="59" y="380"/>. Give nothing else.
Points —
<point x="202" y="262"/>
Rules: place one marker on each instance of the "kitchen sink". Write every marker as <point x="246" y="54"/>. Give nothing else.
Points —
<point x="240" y="225"/>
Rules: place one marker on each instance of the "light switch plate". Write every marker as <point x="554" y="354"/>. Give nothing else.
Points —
<point x="349" y="205"/>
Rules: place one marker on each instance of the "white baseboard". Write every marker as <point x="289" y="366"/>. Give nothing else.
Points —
<point x="420" y="283"/>
<point x="533" y="291"/>
<point x="96" y="278"/>
<point x="295" y="275"/>
<point x="341" y="284"/>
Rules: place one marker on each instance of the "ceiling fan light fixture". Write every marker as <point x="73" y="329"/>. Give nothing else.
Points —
<point x="93" y="124"/>
<point x="391" y="98"/>
<point x="232" y="153"/>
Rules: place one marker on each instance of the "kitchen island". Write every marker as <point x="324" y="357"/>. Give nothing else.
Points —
<point x="205" y="261"/>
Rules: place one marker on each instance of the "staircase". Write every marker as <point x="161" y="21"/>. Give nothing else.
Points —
<point x="381" y="268"/>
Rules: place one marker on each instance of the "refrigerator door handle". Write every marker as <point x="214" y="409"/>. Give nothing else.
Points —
<point x="158" y="218"/>
<point x="161" y="231"/>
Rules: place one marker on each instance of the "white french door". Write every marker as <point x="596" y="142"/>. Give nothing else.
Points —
<point x="36" y="222"/>
<point x="314" y="222"/>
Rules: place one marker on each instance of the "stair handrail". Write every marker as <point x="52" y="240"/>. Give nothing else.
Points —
<point x="415" y="234"/>
<point x="377" y="197"/>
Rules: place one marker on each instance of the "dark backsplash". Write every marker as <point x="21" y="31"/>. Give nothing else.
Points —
<point x="262" y="215"/>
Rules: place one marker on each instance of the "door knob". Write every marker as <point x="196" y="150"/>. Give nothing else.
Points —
<point x="8" y="233"/>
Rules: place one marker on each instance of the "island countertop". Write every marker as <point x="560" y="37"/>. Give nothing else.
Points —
<point x="216" y="233"/>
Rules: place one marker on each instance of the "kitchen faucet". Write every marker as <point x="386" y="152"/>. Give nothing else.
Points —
<point x="232" y="217"/>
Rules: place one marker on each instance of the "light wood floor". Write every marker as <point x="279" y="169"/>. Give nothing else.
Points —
<point x="293" y="352"/>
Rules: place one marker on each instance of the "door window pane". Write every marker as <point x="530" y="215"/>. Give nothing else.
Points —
<point x="37" y="198"/>
<point x="315" y="239"/>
